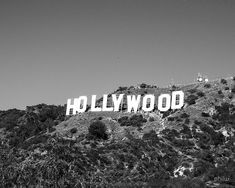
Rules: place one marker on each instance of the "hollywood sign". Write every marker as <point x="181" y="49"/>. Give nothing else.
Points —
<point x="164" y="103"/>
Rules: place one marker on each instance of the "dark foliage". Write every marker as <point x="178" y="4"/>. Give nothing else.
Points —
<point x="98" y="130"/>
<point x="192" y="91"/>
<point x="207" y="85"/>
<point x="220" y="92"/>
<point x="184" y="115"/>
<point x="223" y="81"/>
<point x="143" y="85"/>
<point x="36" y="120"/>
<point x="151" y="119"/>
<point x="191" y="99"/>
<point x="171" y="118"/>
<point x="73" y="130"/>
<point x="200" y="94"/>
<point x="134" y="121"/>
<point x="122" y="88"/>
<point x="204" y="114"/>
<point x="233" y="89"/>
<point x="187" y="121"/>
<point x="9" y="118"/>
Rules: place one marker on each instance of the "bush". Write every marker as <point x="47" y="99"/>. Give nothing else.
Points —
<point x="230" y="95"/>
<point x="121" y="88"/>
<point x="151" y="119"/>
<point x="223" y="81"/>
<point x="184" y="115"/>
<point x="233" y="89"/>
<point x="194" y="90"/>
<point x="73" y="130"/>
<point x="171" y="118"/>
<point x="207" y="85"/>
<point x="98" y="130"/>
<point x="124" y="121"/>
<point x="143" y="85"/>
<point x="187" y="121"/>
<point x="191" y="99"/>
<point x="137" y="120"/>
<point x="204" y="114"/>
<point x="220" y="92"/>
<point x="134" y="121"/>
<point x="197" y="122"/>
<point x="226" y="88"/>
<point x="173" y="88"/>
<point x="200" y="94"/>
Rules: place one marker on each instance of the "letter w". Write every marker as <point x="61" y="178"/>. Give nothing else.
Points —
<point x="133" y="103"/>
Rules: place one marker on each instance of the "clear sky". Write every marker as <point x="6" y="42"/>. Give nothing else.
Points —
<point x="51" y="50"/>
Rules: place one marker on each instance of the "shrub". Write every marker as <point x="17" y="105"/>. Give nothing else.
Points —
<point x="223" y="81"/>
<point x="124" y="121"/>
<point x="230" y="95"/>
<point x="186" y="121"/>
<point x="194" y="90"/>
<point x="191" y="99"/>
<point x="165" y="114"/>
<point x="121" y="88"/>
<point x="204" y="114"/>
<point x="197" y="122"/>
<point x="200" y="94"/>
<point x="207" y="85"/>
<point x="98" y="130"/>
<point x="186" y="130"/>
<point x="226" y="88"/>
<point x="151" y="119"/>
<point x="184" y="115"/>
<point x="73" y="130"/>
<point x="171" y="118"/>
<point x="233" y="89"/>
<point x="143" y="85"/>
<point x="173" y="88"/>
<point x="137" y="120"/>
<point x="220" y="92"/>
<point x="134" y="121"/>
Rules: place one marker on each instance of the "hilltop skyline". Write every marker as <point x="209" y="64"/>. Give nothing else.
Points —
<point x="52" y="51"/>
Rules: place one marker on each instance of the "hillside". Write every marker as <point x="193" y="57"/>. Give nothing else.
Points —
<point x="190" y="147"/>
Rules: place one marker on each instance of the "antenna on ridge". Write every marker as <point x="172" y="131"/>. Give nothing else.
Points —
<point x="201" y="78"/>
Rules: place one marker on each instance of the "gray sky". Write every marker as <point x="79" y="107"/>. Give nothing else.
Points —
<point x="51" y="50"/>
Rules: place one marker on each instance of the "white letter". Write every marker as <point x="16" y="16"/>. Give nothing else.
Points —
<point x="160" y="102"/>
<point x="177" y="100"/>
<point x="117" y="102"/>
<point x="105" y="101"/>
<point x="93" y="104"/>
<point x="144" y="105"/>
<point x="74" y="107"/>
<point x="84" y="105"/>
<point x="132" y="102"/>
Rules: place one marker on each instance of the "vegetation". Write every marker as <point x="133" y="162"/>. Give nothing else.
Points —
<point x="207" y="85"/>
<point x="98" y="130"/>
<point x="223" y="81"/>
<point x="193" y="149"/>
<point x="134" y="121"/>
<point x="191" y="99"/>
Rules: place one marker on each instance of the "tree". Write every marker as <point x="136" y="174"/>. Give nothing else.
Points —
<point x="98" y="130"/>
